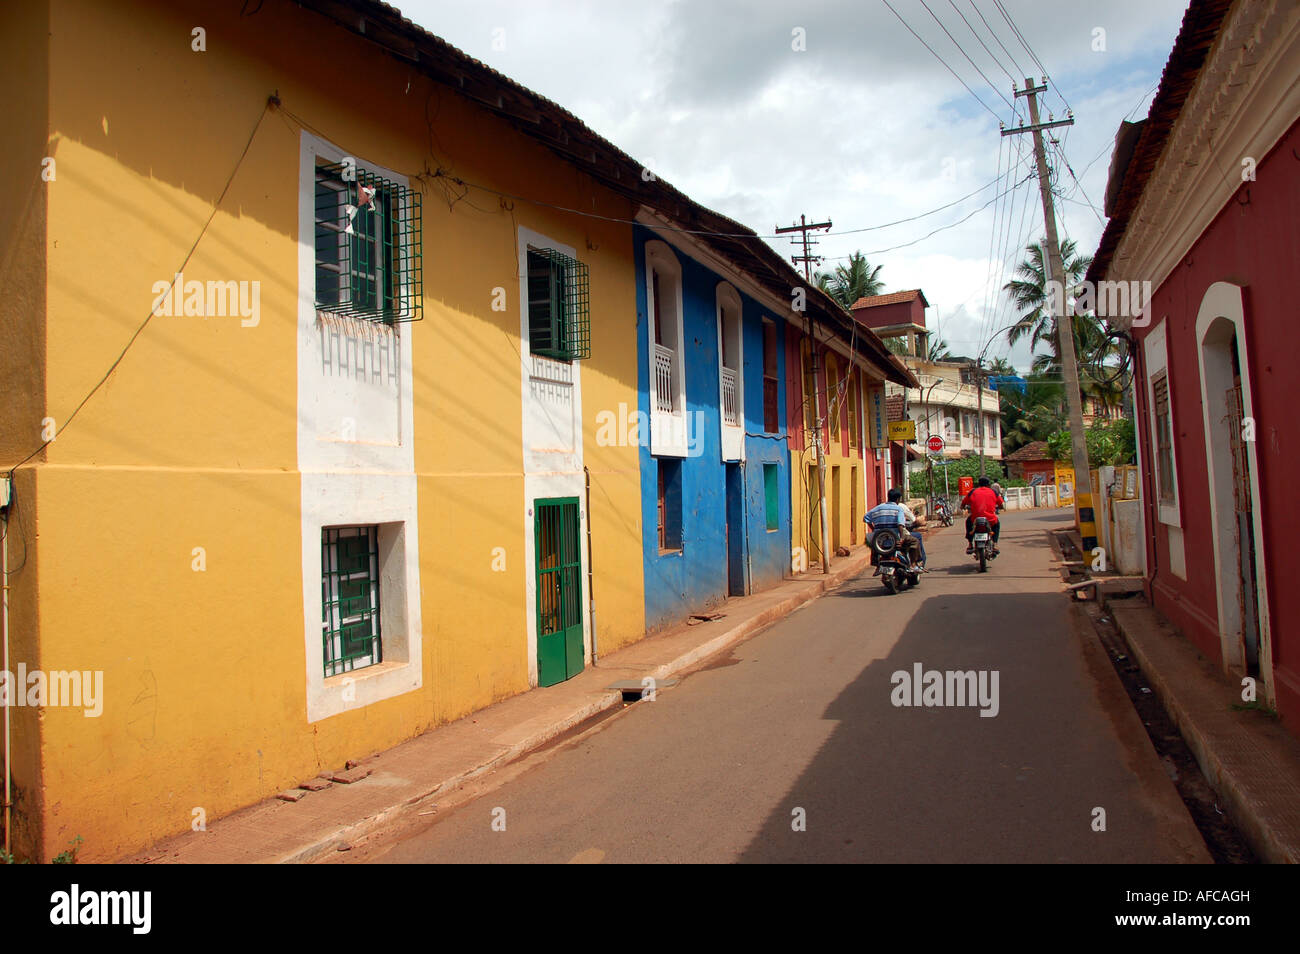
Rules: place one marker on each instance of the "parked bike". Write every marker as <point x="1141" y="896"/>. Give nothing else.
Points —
<point x="983" y="542"/>
<point x="942" y="512"/>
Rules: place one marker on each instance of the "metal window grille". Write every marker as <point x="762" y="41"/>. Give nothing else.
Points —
<point x="559" y="566"/>
<point x="369" y="259"/>
<point x="350" y="598"/>
<point x="559" y="323"/>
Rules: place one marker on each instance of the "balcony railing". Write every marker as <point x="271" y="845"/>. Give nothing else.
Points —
<point x="730" y="397"/>
<point x="665" y="393"/>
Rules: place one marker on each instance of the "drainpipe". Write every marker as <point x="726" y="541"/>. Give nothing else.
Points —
<point x="591" y="593"/>
<point x="4" y="635"/>
<point x="744" y="519"/>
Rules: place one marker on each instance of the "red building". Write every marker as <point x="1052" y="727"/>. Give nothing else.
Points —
<point x="1204" y="204"/>
<point x="1033" y="463"/>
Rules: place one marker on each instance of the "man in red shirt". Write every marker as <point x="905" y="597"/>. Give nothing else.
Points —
<point x="982" y="501"/>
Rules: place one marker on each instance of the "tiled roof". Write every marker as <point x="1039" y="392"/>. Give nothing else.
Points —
<point x="890" y="298"/>
<point x="1035" y="450"/>
<point x="1199" y="31"/>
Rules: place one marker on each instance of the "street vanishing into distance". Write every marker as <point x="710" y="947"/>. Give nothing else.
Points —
<point x="789" y="748"/>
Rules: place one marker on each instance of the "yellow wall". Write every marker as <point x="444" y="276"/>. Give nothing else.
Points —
<point x="192" y="441"/>
<point x="843" y="470"/>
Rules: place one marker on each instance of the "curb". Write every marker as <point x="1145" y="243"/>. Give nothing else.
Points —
<point x="750" y="627"/>
<point x="1268" y="842"/>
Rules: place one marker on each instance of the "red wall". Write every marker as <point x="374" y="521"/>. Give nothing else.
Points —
<point x="1254" y="242"/>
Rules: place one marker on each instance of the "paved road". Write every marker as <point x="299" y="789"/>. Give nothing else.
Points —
<point x="798" y="723"/>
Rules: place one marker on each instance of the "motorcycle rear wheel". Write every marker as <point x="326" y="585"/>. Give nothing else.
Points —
<point x="891" y="586"/>
<point x="983" y="562"/>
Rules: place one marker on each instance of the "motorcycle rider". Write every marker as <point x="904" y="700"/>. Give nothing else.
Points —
<point x="982" y="501"/>
<point x="895" y="513"/>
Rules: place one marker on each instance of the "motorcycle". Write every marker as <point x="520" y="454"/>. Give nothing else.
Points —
<point x="941" y="510"/>
<point x="983" y="543"/>
<point x="893" y="566"/>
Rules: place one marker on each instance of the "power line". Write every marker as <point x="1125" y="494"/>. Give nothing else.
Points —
<point x="963" y="52"/>
<point x="941" y="60"/>
<point x="998" y="40"/>
<point x="266" y="108"/>
<point x="995" y="60"/>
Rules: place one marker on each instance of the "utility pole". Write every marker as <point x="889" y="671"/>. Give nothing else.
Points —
<point x="979" y="405"/>
<point x="807" y="258"/>
<point x="1064" y="325"/>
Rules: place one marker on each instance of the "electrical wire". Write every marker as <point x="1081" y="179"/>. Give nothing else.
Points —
<point x="266" y="108"/>
<point x="986" y="106"/>
<point x="963" y="52"/>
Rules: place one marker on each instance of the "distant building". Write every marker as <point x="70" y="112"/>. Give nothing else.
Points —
<point x="947" y="402"/>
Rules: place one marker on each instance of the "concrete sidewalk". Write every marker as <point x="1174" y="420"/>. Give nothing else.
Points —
<point x="411" y="777"/>
<point x="1252" y="763"/>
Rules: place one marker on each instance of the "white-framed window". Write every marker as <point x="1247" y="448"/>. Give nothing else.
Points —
<point x="1162" y="426"/>
<point x="663" y="277"/>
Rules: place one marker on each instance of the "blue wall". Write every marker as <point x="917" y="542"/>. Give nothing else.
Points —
<point x="678" y="584"/>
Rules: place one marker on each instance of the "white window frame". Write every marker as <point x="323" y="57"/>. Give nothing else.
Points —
<point x="727" y="300"/>
<point x="1156" y="352"/>
<point x="668" y="436"/>
<point x="354" y="483"/>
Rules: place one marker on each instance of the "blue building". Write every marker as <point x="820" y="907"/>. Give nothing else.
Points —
<point x="715" y="468"/>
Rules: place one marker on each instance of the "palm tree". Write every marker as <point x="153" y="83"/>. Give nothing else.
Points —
<point x="938" y="350"/>
<point x="1001" y="368"/>
<point x="1028" y="291"/>
<point x="854" y="280"/>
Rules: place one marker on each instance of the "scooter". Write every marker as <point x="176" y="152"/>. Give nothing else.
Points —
<point x="893" y="567"/>
<point x="982" y="540"/>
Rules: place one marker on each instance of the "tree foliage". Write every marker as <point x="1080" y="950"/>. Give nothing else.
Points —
<point x="1110" y="443"/>
<point x="853" y="280"/>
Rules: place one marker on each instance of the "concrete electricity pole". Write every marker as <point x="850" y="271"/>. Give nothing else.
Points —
<point x="1064" y="325"/>
<point x="807" y="258"/>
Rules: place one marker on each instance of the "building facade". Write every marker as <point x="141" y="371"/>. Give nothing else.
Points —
<point x="1214" y="340"/>
<point x="330" y="436"/>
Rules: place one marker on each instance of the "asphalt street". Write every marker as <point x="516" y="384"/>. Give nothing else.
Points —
<point x="792" y="747"/>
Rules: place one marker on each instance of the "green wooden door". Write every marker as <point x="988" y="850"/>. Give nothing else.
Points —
<point x="559" y="589"/>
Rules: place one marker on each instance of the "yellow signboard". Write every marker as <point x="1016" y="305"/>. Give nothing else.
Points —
<point x="1064" y="485"/>
<point x="902" y="430"/>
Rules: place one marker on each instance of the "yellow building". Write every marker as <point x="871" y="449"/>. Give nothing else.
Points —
<point x="293" y="525"/>
<point x="833" y="395"/>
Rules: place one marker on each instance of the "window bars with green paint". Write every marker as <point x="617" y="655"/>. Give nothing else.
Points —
<point x="350" y="598"/>
<point x="369" y="261"/>
<point x="559" y="323"/>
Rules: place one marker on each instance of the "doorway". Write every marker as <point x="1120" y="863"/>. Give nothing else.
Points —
<point x="735" y="531"/>
<point x="559" y="589"/>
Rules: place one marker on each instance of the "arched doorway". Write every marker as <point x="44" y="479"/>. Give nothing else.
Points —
<point x="1235" y="507"/>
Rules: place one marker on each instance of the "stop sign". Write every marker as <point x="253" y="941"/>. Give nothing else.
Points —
<point x="934" y="444"/>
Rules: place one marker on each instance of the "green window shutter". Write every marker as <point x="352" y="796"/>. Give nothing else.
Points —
<point x="350" y="598"/>
<point x="558" y="306"/>
<point x="771" y="475"/>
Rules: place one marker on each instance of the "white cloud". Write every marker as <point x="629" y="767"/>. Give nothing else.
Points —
<point x="865" y="127"/>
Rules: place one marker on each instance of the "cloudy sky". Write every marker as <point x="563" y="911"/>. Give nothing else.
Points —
<point x="863" y="126"/>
